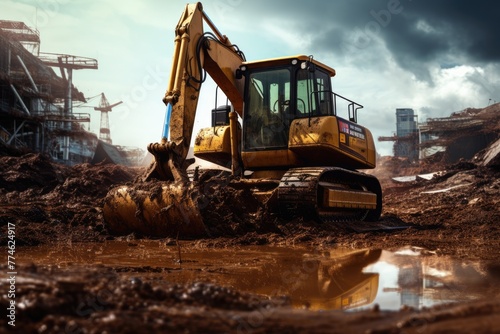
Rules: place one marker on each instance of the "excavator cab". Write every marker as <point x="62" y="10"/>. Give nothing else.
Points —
<point x="277" y="94"/>
<point x="290" y="118"/>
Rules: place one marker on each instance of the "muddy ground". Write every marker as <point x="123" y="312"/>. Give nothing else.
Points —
<point x="455" y="213"/>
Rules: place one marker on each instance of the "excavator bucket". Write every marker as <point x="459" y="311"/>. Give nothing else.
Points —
<point x="163" y="204"/>
<point x="160" y="209"/>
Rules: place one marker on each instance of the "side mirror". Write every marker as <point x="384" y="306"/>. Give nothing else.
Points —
<point x="238" y="74"/>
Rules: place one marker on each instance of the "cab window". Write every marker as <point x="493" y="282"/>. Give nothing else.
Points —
<point x="313" y="93"/>
<point x="266" y="124"/>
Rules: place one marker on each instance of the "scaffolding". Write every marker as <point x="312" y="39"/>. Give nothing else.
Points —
<point x="18" y="31"/>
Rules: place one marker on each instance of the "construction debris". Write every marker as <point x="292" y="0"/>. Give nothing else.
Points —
<point x="412" y="178"/>
<point x="492" y="155"/>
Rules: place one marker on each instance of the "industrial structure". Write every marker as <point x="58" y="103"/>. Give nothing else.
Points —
<point x="36" y="104"/>
<point x="459" y="136"/>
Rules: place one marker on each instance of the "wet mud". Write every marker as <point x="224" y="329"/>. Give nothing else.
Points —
<point x="454" y="215"/>
<point x="312" y="278"/>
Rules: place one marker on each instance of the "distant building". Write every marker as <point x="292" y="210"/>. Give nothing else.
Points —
<point x="407" y="131"/>
<point x="406" y="139"/>
<point x="406" y="122"/>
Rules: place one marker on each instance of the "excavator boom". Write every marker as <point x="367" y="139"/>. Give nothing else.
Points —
<point x="195" y="52"/>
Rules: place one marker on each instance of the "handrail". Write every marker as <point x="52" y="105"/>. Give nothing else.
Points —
<point x="74" y="117"/>
<point x="352" y="107"/>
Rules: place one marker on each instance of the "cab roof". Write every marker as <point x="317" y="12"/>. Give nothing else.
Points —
<point x="287" y="60"/>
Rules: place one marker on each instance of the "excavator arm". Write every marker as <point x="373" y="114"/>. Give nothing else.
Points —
<point x="196" y="53"/>
<point x="171" y="209"/>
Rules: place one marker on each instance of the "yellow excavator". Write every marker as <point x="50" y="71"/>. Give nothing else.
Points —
<point x="280" y="136"/>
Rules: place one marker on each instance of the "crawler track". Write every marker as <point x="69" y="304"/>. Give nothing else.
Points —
<point x="301" y="192"/>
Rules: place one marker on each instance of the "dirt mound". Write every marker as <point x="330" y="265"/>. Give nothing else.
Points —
<point x="49" y="202"/>
<point x="32" y="172"/>
<point x="100" y="300"/>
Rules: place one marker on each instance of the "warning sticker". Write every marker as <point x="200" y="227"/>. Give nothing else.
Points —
<point x="352" y="129"/>
<point x="342" y="138"/>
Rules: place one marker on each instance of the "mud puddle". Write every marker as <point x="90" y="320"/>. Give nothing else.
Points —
<point x="315" y="279"/>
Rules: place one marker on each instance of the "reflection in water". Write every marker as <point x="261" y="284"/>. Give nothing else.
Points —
<point x="415" y="278"/>
<point x="326" y="280"/>
<point x="332" y="279"/>
<point x="343" y="284"/>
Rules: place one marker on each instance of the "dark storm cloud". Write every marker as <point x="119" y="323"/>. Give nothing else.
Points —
<point x="416" y="32"/>
<point x="444" y="31"/>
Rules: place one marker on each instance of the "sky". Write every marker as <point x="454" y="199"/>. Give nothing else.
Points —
<point x="434" y="56"/>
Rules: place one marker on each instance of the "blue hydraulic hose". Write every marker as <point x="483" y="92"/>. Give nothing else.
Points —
<point x="166" y="123"/>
